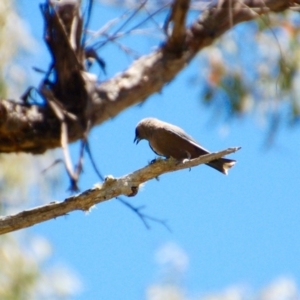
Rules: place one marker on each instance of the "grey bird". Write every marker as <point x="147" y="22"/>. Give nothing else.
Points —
<point x="171" y="141"/>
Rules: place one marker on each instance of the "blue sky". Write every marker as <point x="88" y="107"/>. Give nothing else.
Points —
<point x="237" y="229"/>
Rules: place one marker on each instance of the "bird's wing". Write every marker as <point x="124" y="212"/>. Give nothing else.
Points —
<point x="181" y="133"/>
<point x="171" y="142"/>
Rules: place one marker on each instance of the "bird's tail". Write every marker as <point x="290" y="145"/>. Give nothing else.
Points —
<point x="222" y="164"/>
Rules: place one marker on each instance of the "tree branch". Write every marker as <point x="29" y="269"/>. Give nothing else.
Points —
<point x="112" y="187"/>
<point x="35" y="129"/>
<point x="150" y="73"/>
<point x="177" y="16"/>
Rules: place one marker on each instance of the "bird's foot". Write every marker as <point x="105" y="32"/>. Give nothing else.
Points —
<point x="183" y="161"/>
<point x="153" y="161"/>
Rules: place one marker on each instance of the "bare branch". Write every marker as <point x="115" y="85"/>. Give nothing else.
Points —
<point x="112" y="187"/>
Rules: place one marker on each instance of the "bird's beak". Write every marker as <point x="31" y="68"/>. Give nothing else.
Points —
<point x="136" y="140"/>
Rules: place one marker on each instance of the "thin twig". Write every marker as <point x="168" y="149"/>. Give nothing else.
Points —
<point x="87" y="20"/>
<point x="136" y="10"/>
<point x="84" y="141"/>
<point x="88" y="150"/>
<point x="61" y="115"/>
<point x="67" y="158"/>
<point x="119" y="34"/>
<point x="56" y="162"/>
<point x="142" y="216"/>
<point x="104" y="29"/>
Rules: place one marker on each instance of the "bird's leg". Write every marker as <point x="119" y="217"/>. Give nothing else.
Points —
<point x="155" y="160"/>
<point x="187" y="159"/>
<point x="179" y="161"/>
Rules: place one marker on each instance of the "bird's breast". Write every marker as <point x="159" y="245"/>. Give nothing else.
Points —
<point x="156" y="149"/>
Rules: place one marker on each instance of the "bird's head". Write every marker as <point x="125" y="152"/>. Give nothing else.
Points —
<point x="137" y="136"/>
<point x="143" y="130"/>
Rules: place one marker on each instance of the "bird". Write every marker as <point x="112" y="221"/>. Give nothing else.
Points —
<point x="168" y="140"/>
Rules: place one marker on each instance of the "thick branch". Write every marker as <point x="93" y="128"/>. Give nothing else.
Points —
<point x="34" y="133"/>
<point x="150" y="73"/>
<point x="177" y="16"/>
<point x="112" y="187"/>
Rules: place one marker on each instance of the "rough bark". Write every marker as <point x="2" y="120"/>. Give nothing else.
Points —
<point x="75" y="98"/>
